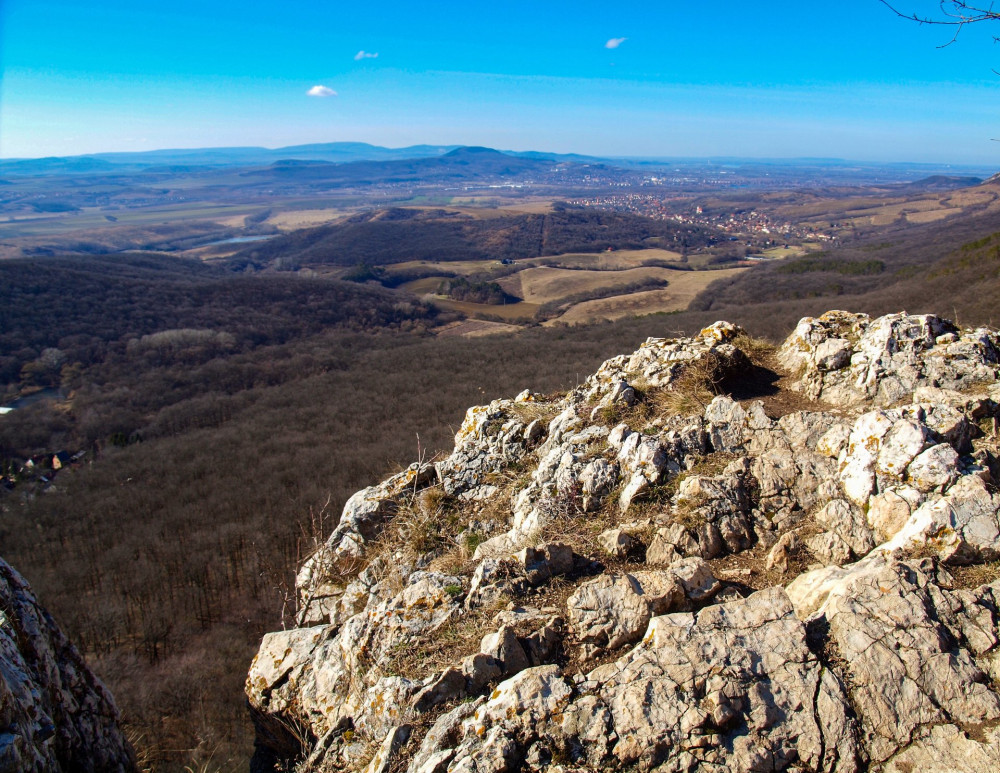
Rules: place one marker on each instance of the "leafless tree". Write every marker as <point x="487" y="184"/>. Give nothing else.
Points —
<point x="952" y="13"/>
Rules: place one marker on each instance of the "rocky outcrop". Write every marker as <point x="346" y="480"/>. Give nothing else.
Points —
<point x="639" y="574"/>
<point x="55" y="715"/>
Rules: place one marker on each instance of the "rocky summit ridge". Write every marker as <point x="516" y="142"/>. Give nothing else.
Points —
<point x="710" y="555"/>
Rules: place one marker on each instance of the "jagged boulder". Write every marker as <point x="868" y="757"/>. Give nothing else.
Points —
<point x="55" y="715"/>
<point x="736" y="688"/>
<point x="621" y="607"/>
<point x="917" y="654"/>
<point x="845" y="359"/>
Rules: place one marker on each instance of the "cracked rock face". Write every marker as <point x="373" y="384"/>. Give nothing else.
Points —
<point x="594" y="582"/>
<point x="734" y="687"/>
<point x="55" y="715"/>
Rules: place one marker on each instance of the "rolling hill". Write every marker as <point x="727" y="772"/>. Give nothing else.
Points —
<point x="396" y="235"/>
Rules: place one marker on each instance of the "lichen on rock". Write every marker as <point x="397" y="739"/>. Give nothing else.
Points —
<point x="666" y="577"/>
<point x="55" y="714"/>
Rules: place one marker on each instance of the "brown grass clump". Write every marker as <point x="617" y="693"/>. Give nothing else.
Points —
<point x="692" y="391"/>
<point x="544" y="410"/>
<point x="569" y="524"/>
<point x="975" y="575"/>
<point x="759" y="351"/>
<point x="418" y="658"/>
<point x="426" y="522"/>
<point x="637" y="416"/>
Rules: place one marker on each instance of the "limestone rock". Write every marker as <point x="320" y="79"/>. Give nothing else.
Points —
<point x="55" y="715"/>
<point x="504" y="647"/>
<point x="394" y="740"/>
<point x="947" y="749"/>
<point x="849" y="358"/>
<point x="611" y="611"/>
<point x="867" y="660"/>
<point x="961" y="526"/>
<point x="849" y="524"/>
<point x="895" y="630"/>
<point x="618" y="542"/>
<point x="782" y="550"/>
<point x="491" y="437"/>
<point x="737" y="689"/>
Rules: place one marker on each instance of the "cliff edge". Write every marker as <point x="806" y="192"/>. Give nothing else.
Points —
<point x="55" y="715"/>
<point x="711" y="555"/>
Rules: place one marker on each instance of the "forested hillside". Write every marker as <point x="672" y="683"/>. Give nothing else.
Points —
<point x="225" y="419"/>
<point x="92" y="307"/>
<point x="384" y="237"/>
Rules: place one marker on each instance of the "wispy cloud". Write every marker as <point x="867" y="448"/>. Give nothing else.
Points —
<point x="615" y="42"/>
<point x="362" y="54"/>
<point x="321" y="91"/>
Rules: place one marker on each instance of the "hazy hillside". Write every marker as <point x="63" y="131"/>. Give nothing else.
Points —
<point x="384" y="237"/>
<point x="339" y="152"/>
<point x="916" y="265"/>
<point x="225" y="419"/>
<point x="90" y="308"/>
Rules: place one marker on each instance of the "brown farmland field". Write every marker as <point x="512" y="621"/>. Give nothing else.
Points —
<point x="596" y="261"/>
<point x="543" y="284"/>
<point x="511" y="311"/>
<point x="684" y="286"/>
<point x="607" y="261"/>
<point x="476" y="328"/>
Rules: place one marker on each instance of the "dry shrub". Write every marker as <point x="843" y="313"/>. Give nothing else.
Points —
<point x="692" y="391"/>
<point x="418" y="658"/>
<point x="759" y="351"/>
<point x="566" y="522"/>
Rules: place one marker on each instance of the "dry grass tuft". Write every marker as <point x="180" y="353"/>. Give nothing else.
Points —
<point x="636" y="416"/>
<point x="420" y="657"/>
<point x="759" y="351"/>
<point x="544" y="410"/>
<point x="975" y="575"/>
<point x="692" y="391"/>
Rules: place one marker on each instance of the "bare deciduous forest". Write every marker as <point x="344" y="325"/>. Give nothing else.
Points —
<point x="224" y="421"/>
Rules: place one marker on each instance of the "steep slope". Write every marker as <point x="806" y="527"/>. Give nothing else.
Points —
<point x="639" y="573"/>
<point x="384" y="237"/>
<point x="55" y="715"/>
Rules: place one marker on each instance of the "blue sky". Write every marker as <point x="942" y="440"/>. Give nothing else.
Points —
<point x="781" y="79"/>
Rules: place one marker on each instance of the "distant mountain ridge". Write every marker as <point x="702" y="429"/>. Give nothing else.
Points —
<point x="177" y="160"/>
<point x="329" y="152"/>
<point x="464" y="164"/>
<point x="336" y="152"/>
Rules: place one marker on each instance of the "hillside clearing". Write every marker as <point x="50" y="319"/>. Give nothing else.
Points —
<point x="544" y="284"/>
<point x="684" y="286"/>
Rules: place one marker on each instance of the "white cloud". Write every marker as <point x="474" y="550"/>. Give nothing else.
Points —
<point x="362" y="54"/>
<point x="321" y="91"/>
<point x="615" y="42"/>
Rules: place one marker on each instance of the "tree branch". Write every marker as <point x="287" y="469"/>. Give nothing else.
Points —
<point x="954" y="13"/>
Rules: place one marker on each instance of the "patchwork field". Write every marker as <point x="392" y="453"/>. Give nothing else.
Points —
<point x="514" y="312"/>
<point x="929" y="216"/>
<point x="305" y="218"/>
<point x="476" y="328"/>
<point x="684" y="286"/>
<point x="861" y="211"/>
<point x="615" y="260"/>
<point x="544" y="284"/>
<point x="596" y="261"/>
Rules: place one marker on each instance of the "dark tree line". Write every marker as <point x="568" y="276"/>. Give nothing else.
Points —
<point x="393" y="236"/>
<point x="76" y="311"/>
